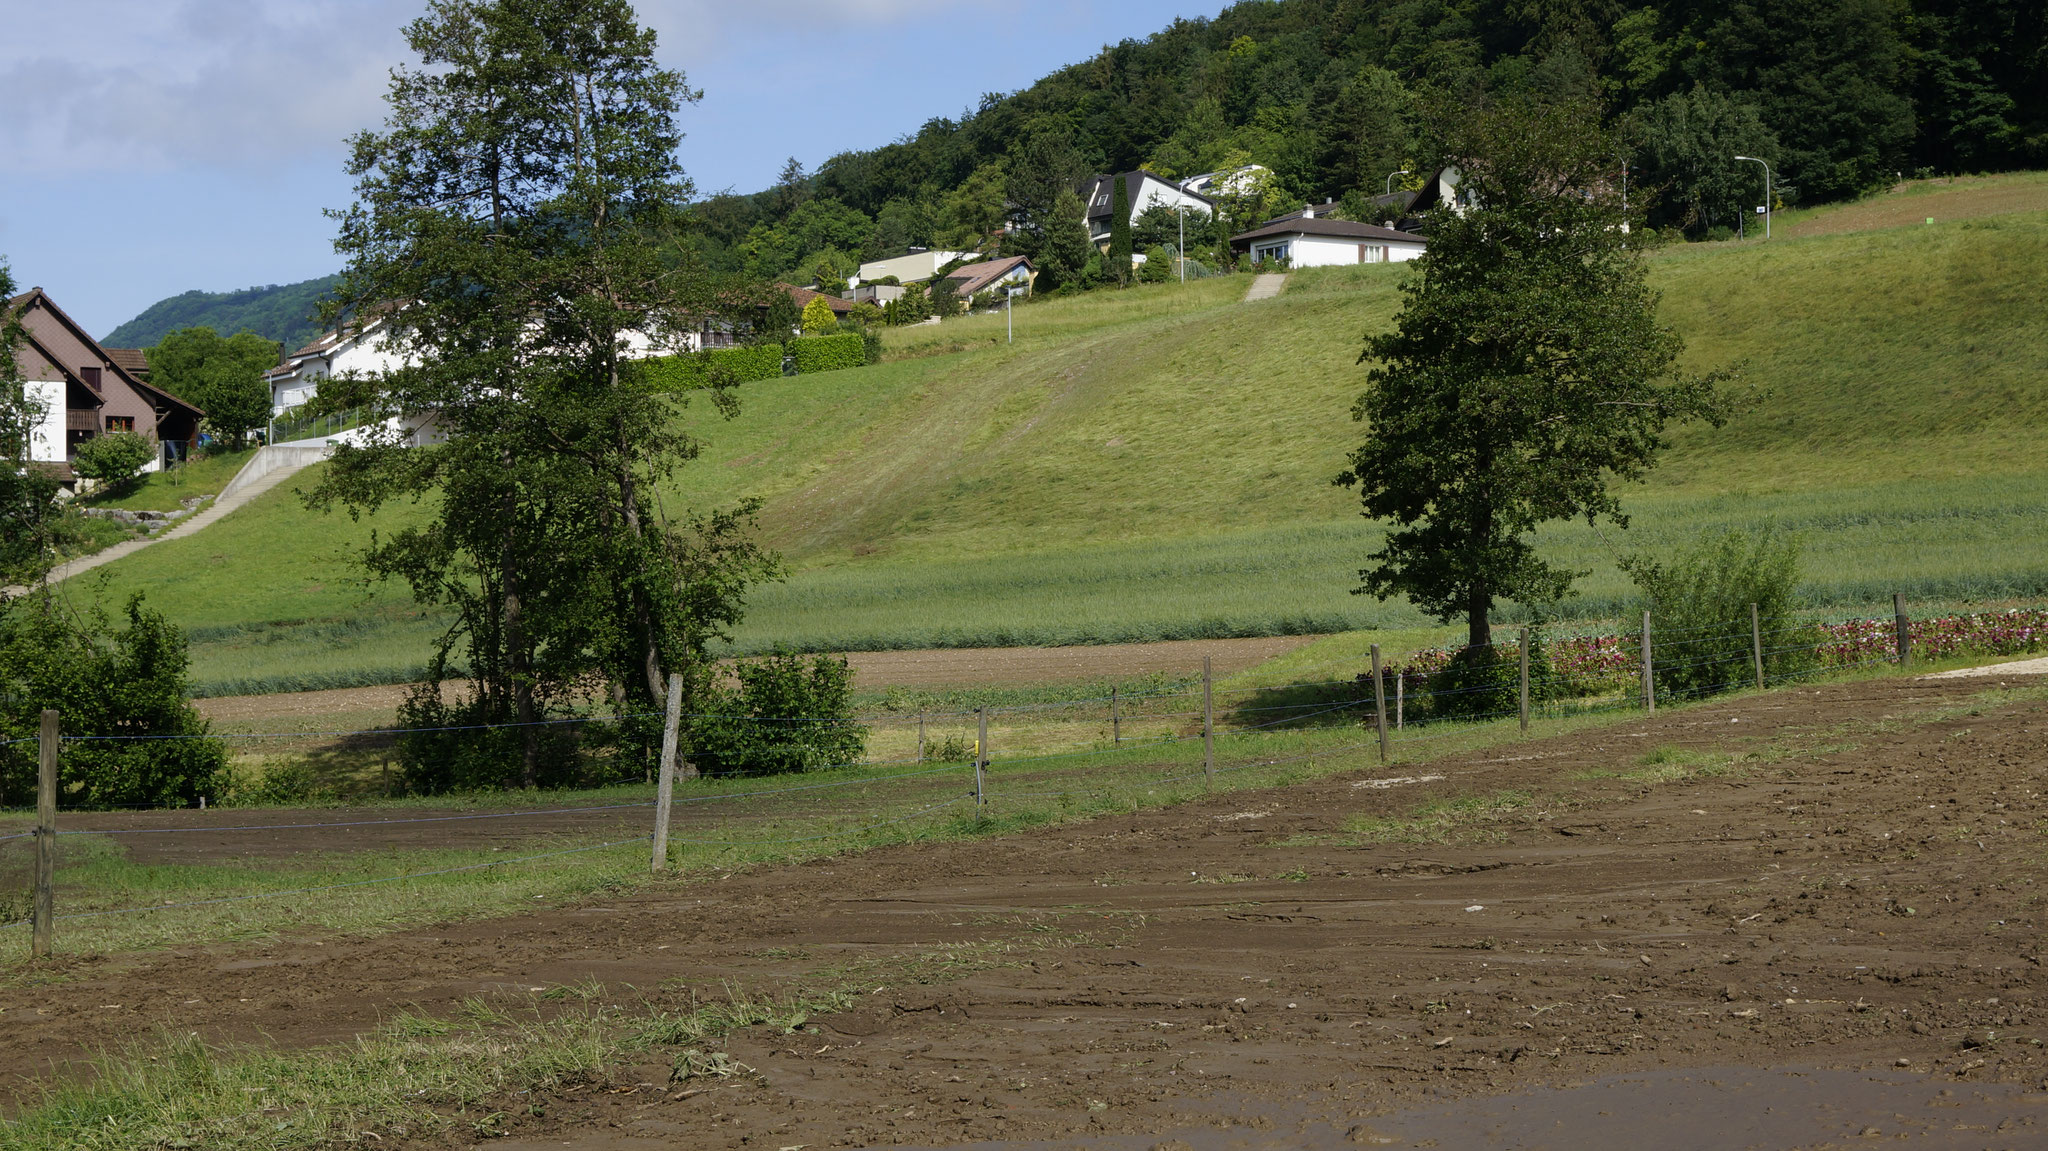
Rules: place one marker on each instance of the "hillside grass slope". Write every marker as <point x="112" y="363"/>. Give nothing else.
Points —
<point x="1157" y="463"/>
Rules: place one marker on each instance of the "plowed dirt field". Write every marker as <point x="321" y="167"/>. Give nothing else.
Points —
<point x="1842" y="880"/>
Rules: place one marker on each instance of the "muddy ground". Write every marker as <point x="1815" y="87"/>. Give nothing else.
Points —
<point x="1860" y="898"/>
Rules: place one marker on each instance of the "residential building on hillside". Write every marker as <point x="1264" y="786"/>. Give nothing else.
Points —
<point x="358" y="348"/>
<point x="912" y="267"/>
<point x="1214" y="184"/>
<point x="971" y="280"/>
<point x="86" y="390"/>
<point x="1408" y="211"/>
<point x="1307" y="239"/>
<point x="1145" y="189"/>
<point x="363" y="349"/>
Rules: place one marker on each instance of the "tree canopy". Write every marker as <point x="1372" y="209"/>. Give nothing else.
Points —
<point x="1525" y="375"/>
<point x="1333" y="96"/>
<point x="223" y="376"/>
<point x="514" y="222"/>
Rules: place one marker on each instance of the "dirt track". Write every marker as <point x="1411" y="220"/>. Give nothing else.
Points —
<point x="1865" y="894"/>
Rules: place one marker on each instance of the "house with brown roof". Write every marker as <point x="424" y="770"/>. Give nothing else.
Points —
<point x="86" y="390"/>
<point x="971" y="280"/>
<point x="1308" y="239"/>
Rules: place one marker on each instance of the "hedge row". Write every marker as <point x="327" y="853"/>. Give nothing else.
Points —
<point x="812" y="354"/>
<point x="829" y="353"/>
<point x="680" y="373"/>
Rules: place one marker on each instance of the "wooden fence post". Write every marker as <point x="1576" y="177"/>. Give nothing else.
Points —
<point x="1400" y="699"/>
<point x="1116" y="723"/>
<point x="1899" y="621"/>
<point x="665" y="789"/>
<point x="1756" y="644"/>
<point x="1649" y="671"/>
<point x="920" y="737"/>
<point x="1525" y="681"/>
<point x="1379" y="701"/>
<point x="45" y="911"/>
<point x="1208" y="729"/>
<point x="981" y="763"/>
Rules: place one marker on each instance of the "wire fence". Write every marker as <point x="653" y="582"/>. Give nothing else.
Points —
<point x="1117" y="744"/>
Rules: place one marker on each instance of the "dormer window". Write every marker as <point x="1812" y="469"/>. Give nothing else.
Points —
<point x="91" y="376"/>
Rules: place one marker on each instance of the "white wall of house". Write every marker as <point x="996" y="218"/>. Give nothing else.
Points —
<point x="913" y="267"/>
<point x="1162" y="193"/>
<point x="1330" y="251"/>
<point x="46" y="439"/>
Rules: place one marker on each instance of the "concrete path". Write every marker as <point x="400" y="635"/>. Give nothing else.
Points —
<point x="1265" y="286"/>
<point x="264" y="471"/>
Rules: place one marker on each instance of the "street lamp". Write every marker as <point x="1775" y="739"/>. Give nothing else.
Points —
<point x="1390" y="179"/>
<point x="1767" y="192"/>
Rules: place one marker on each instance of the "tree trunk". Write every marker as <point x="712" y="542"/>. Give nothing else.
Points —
<point x="1478" y="607"/>
<point x="518" y="667"/>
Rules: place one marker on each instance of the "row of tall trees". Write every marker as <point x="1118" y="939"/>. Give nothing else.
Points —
<point x="1333" y="96"/>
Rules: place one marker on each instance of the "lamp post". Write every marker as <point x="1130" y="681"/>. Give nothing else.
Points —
<point x="1767" y="191"/>
<point x="1390" y="179"/>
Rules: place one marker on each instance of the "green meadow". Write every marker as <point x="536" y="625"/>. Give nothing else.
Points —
<point x="1157" y="463"/>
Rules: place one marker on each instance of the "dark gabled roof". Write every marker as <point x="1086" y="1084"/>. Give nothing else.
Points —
<point x="803" y="297"/>
<point x="1096" y="188"/>
<point x="38" y="296"/>
<point x="134" y="361"/>
<point x="1324" y="226"/>
<point x="973" y="278"/>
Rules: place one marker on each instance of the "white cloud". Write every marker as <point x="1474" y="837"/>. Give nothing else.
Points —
<point x="127" y="86"/>
<point x="111" y="87"/>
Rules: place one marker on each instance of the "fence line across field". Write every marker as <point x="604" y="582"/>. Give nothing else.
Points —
<point x="50" y="740"/>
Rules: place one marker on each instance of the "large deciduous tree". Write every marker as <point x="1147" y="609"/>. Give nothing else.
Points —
<point x="1525" y="375"/>
<point x="514" y="223"/>
<point x="224" y="376"/>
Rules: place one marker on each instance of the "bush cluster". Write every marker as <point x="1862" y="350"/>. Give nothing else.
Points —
<point x="828" y="353"/>
<point x="694" y="370"/>
<point x="106" y="680"/>
<point x="785" y="714"/>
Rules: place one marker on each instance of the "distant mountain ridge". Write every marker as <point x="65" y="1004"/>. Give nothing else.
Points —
<point x="281" y="312"/>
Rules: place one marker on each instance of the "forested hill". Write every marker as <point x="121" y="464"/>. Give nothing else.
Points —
<point x="280" y="312"/>
<point x="1840" y="95"/>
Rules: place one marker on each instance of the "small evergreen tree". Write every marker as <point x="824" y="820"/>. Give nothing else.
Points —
<point x="1120" y="233"/>
<point x="818" y="319"/>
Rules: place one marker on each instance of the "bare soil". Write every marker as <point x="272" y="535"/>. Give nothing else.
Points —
<point x="1860" y="900"/>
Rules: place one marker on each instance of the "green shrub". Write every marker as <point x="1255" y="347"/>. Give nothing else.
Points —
<point x="1699" y="602"/>
<point x="127" y="682"/>
<point x="787" y="714"/>
<point x="685" y="372"/>
<point x="115" y="459"/>
<point x="829" y="353"/>
<point x="1485" y="682"/>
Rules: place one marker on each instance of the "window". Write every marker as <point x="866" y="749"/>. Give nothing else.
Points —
<point x="91" y="376"/>
<point x="120" y="424"/>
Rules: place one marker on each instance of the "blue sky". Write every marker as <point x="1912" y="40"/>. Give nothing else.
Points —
<point x="154" y="146"/>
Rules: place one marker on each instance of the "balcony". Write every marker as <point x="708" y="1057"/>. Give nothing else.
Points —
<point x="81" y="419"/>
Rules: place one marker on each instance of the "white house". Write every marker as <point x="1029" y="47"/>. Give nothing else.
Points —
<point x="1146" y="190"/>
<point x="1306" y="240"/>
<point x="1213" y="184"/>
<point x="357" y="349"/>
<point x="914" y="266"/>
